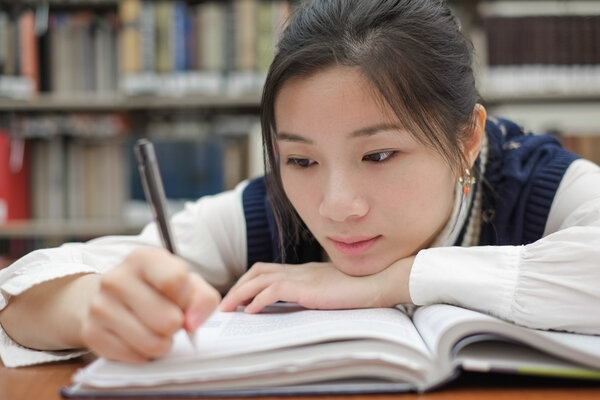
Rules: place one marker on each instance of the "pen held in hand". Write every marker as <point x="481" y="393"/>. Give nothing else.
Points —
<point x="153" y="190"/>
<point x="155" y="193"/>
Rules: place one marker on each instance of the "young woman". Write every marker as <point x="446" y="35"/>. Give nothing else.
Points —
<point x="386" y="184"/>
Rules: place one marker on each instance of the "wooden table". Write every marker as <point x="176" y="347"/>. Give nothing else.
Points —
<point x="43" y="383"/>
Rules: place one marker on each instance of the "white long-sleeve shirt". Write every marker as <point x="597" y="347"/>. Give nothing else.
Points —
<point x="553" y="283"/>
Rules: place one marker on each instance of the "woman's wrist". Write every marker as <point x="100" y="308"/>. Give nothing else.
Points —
<point x="54" y="312"/>
<point x="393" y="283"/>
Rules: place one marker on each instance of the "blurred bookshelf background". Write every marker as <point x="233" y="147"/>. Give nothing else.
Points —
<point x="81" y="80"/>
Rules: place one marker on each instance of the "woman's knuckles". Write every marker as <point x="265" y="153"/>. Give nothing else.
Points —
<point x="100" y="308"/>
<point x="167" y="323"/>
<point x="154" y="346"/>
<point x="116" y="281"/>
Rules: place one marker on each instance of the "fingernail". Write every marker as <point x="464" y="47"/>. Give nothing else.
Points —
<point x="193" y="319"/>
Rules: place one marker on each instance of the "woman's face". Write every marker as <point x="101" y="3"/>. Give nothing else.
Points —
<point x="368" y="191"/>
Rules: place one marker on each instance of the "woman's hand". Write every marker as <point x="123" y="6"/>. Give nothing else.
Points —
<point x="318" y="286"/>
<point x="141" y="303"/>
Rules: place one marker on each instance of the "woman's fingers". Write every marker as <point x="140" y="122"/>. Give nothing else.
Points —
<point x="256" y="270"/>
<point x="108" y="345"/>
<point x="142" y="302"/>
<point x="270" y="295"/>
<point x="110" y="317"/>
<point x="165" y="272"/>
<point x="170" y="276"/>
<point x="311" y="285"/>
<point x="204" y="301"/>
<point x="152" y="308"/>
<point x="245" y="292"/>
<point x="265" y="284"/>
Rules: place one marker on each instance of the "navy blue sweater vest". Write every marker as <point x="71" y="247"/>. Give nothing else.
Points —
<point x="521" y="175"/>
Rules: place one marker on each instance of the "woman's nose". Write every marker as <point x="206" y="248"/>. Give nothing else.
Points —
<point x="342" y="200"/>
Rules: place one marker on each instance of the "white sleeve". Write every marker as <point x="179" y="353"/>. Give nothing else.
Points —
<point x="209" y="233"/>
<point x="553" y="283"/>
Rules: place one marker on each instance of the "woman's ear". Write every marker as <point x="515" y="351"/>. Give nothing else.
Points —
<point x="474" y="137"/>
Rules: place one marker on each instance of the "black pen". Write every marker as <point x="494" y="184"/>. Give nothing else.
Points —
<point x="153" y="189"/>
<point x="155" y="193"/>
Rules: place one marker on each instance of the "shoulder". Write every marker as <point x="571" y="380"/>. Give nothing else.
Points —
<point x="515" y="153"/>
<point x="521" y="176"/>
<point x="577" y="200"/>
<point x="509" y="138"/>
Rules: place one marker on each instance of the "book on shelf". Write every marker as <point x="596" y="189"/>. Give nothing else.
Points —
<point x="29" y="48"/>
<point x="130" y="12"/>
<point x="14" y="178"/>
<point x="80" y="52"/>
<point x="77" y="53"/>
<point x="212" y="46"/>
<point x="211" y="36"/>
<point x="190" y="168"/>
<point x="134" y="46"/>
<point x="541" y="48"/>
<point x="290" y="350"/>
<point x="78" y="169"/>
<point x="78" y="179"/>
<point x="19" y="65"/>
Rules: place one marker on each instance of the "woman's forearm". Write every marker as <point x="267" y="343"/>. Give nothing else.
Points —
<point x="48" y="316"/>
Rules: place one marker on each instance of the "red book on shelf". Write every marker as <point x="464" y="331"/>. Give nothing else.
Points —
<point x="14" y="179"/>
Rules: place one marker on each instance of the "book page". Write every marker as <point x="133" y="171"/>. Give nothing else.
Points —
<point x="289" y="325"/>
<point x="435" y="321"/>
<point x="373" y="359"/>
<point x="511" y="357"/>
<point x="287" y="343"/>
<point x="442" y="326"/>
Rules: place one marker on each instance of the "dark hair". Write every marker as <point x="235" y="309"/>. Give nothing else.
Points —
<point x="412" y="52"/>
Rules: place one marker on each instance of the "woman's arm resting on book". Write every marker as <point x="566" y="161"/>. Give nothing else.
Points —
<point x="553" y="283"/>
<point x="318" y="286"/>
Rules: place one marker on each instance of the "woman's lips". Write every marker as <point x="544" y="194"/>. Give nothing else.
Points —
<point x="353" y="246"/>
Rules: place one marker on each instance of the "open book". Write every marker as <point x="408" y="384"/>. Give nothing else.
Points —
<point x="287" y="349"/>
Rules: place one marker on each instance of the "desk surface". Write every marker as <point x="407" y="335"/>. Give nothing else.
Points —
<point x="44" y="382"/>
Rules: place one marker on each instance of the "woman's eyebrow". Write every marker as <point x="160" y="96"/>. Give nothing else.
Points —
<point x="361" y="132"/>
<point x="292" y="137"/>
<point x="374" y="129"/>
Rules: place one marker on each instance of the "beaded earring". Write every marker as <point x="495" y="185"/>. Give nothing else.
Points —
<point x="466" y="181"/>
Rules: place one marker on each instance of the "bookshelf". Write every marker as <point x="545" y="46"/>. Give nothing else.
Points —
<point x="24" y="229"/>
<point x="118" y="101"/>
<point x="83" y="78"/>
<point x="538" y="62"/>
<point x="80" y="80"/>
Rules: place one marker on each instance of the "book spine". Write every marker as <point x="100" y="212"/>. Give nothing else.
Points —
<point x="549" y="52"/>
<point x="230" y="42"/>
<point x="8" y="39"/>
<point x="14" y="178"/>
<point x="213" y="35"/>
<point x="164" y="37"/>
<point x="4" y="26"/>
<point x="28" y="55"/>
<point x="44" y="65"/>
<point x="129" y="36"/>
<point x="191" y="40"/>
<point x="179" y="35"/>
<point x="265" y="35"/>
<point x="245" y="18"/>
<point x="148" y="34"/>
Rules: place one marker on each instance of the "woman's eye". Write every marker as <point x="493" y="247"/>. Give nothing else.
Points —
<point x="379" y="156"/>
<point x="300" y="162"/>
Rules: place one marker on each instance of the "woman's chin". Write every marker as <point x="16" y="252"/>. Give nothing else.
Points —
<point x="356" y="267"/>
